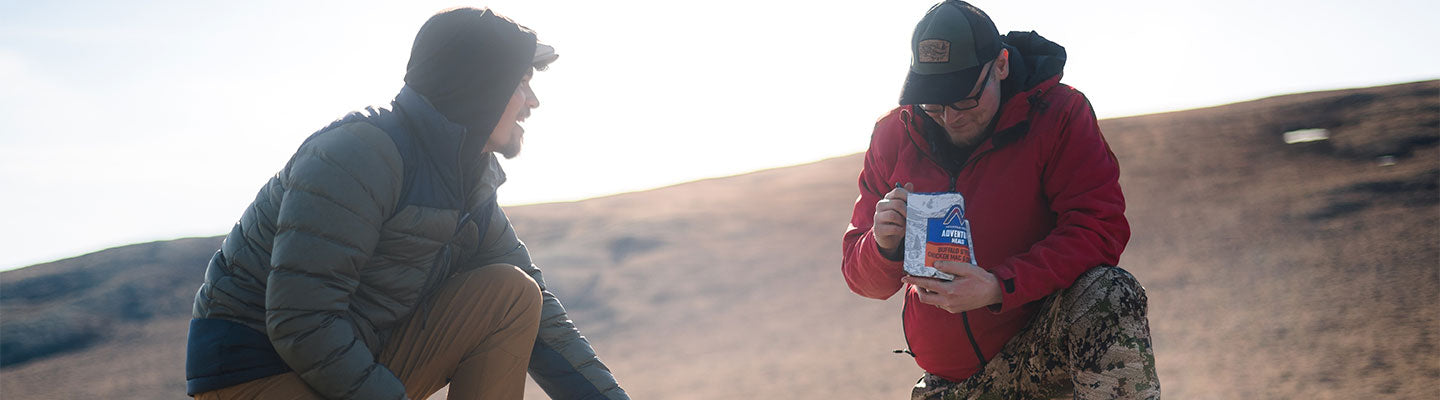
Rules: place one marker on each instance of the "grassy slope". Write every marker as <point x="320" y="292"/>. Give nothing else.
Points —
<point x="1274" y="270"/>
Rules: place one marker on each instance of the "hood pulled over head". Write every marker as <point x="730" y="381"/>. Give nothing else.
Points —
<point x="467" y="62"/>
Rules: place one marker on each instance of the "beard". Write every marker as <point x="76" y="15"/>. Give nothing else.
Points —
<point x="512" y="148"/>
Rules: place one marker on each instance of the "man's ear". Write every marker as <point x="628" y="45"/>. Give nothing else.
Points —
<point x="1002" y="63"/>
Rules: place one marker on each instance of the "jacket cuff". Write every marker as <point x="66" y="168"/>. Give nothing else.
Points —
<point x="871" y="249"/>
<point x="1009" y="300"/>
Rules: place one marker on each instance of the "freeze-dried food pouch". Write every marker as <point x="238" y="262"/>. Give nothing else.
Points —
<point x="936" y="230"/>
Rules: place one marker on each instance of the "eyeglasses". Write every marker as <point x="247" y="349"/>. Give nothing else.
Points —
<point x="965" y="103"/>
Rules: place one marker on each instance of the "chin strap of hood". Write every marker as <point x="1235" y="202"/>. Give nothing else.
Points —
<point x="467" y="62"/>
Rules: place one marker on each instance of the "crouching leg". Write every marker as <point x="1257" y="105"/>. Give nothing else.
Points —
<point x="475" y="333"/>
<point x="1106" y="340"/>
<point x="1090" y="341"/>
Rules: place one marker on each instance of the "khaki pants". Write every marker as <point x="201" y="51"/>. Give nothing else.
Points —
<point x="1091" y="341"/>
<point x="476" y="335"/>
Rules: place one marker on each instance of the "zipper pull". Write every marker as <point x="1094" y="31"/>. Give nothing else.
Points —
<point x="460" y="225"/>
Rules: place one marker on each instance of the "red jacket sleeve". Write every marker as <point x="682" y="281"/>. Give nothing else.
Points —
<point x="1082" y="180"/>
<point x="868" y="272"/>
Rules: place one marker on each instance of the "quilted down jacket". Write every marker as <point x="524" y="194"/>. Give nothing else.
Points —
<point x="341" y="245"/>
<point x="371" y="215"/>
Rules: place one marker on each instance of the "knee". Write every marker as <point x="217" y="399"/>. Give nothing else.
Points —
<point x="1107" y="289"/>
<point x="505" y="281"/>
<point x="1125" y="283"/>
<point x="1106" y="278"/>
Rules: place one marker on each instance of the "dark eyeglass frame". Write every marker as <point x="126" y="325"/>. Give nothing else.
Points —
<point x="970" y="102"/>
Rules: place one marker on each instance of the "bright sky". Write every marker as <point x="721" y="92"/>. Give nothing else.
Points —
<point x="126" y="122"/>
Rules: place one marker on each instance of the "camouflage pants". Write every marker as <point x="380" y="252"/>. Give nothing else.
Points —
<point x="1091" y="341"/>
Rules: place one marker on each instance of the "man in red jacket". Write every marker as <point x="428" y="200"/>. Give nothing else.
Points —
<point x="1042" y="312"/>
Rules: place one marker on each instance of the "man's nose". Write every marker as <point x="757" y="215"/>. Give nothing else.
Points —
<point x="948" y="115"/>
<point x="530" y="98"/>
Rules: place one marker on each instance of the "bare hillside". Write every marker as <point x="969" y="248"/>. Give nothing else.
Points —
<point x="1307" y="270"/>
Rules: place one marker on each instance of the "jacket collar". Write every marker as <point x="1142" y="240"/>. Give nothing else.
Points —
<point x="439" y="138"/>
<point x="458" y="160"/>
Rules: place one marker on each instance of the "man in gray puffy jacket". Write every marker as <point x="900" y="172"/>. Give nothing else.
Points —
<point x="377" y="265"/>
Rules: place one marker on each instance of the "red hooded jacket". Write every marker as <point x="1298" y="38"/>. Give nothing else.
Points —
<point x="1042" y="195"/>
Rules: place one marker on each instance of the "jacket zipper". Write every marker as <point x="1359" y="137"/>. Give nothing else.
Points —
<point x="440" y="270"/>
<point x="964" y="315"/>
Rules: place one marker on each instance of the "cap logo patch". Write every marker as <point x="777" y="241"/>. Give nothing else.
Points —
<point x="933" y="51"/>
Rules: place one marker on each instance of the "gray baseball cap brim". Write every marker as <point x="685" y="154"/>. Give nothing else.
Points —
<point x="544" y="55"/>
<point x="940" y="88"/>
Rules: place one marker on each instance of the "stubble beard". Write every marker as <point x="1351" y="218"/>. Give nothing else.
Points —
<point x="512" y="149"/>
<point x="972" y="134"/>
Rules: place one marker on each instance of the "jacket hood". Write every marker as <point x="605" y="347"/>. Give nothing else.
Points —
<point x="1033" y="61"/>
<point x="466" y="62"/>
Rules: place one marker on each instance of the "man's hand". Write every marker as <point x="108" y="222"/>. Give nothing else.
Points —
<point x="973" y="287"/>
<point x="889" y="226"/>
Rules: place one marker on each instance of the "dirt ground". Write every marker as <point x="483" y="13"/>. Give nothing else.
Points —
<point x="1274" y="270"/>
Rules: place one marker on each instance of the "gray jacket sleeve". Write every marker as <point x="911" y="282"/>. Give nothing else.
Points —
<point x="339" y="187"/>
<point x="562" y="363"/>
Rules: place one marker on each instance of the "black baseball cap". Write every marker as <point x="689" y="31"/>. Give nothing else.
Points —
<point x="950" y="48"/>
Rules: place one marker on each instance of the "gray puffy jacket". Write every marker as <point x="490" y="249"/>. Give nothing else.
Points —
<point x="369" y="216"/>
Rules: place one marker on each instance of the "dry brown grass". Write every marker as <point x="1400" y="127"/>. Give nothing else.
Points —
<point x="1273" y="270"/>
